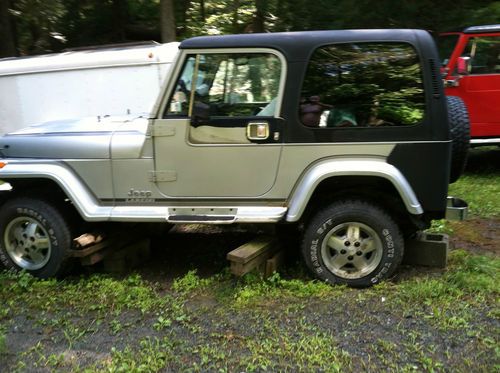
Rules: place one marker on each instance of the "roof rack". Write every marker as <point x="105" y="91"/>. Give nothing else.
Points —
<point x="133" y="44"/>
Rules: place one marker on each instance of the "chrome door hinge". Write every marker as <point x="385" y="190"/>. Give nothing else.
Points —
<point x="163" y="130"/>
<point x="162" y="176"/>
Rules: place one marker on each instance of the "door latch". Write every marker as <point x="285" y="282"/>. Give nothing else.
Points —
<point x="257" y="130"/>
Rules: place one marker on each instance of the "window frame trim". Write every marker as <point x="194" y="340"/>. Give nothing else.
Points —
<point x="184" y="55"/>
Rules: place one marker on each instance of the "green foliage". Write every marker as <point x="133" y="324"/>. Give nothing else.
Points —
<point x="305" y="352"/>
<point x="253" y="289"/>
<point x="440" y="226"/>
<point x="152" y="356"/>
<point x="253" y="324"/>
<point x="190" y="282"/>
<point x="467" y="275"/>
<point x="95" y="293"/>
<point x="3" y="344"/>
<point x="37" y="25"/>
<point x="474" y="274"/>
<point x="44" y="26"/>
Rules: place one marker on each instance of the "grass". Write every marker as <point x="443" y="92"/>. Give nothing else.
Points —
<point x="285" y="324"/>
<point x="480" y="185"/>
<point x="3" y="344"/>
<point x="482" y="193"/>
<point x="433" y="320"/>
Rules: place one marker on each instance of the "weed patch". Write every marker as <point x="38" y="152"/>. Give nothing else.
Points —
<point x="253" y="289"/>
<point x="190" y="282"/>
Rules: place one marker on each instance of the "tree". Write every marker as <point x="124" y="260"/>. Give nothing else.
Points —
<point x="40" y="26"/>
<point x="258" y="24"/>
<point x="7" y="45"/>
<point x="167" y="21"/>
<point x="119" y="19"/>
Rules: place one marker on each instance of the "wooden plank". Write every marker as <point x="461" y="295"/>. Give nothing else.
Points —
<point x="88" y="239"/>
<point x="250" y="250"/>
<point x="95" y="257"/>
<point x="273" y="263"/>
<point x="129" y="256"/>
<point x="91" y="249"/>
<point x="98" y="252"/>
<point x="247" y="260"/>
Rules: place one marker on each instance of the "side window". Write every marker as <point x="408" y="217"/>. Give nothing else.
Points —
<point x="219" y="91"/>
<point x="484" y="54"/>
<point x="363" y="85"/>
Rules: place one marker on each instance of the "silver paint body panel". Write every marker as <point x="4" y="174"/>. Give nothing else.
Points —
<point x="101" y="162"/>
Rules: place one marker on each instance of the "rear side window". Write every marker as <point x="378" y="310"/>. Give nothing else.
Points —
<point x="363" y="85"/>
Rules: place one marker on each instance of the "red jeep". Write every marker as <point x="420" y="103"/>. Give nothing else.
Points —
<point x="471" y="69"/>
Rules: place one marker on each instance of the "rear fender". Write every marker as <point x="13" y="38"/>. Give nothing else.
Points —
<point x="349" y="167"/>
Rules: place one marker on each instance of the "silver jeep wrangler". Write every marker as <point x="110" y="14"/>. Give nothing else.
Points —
<point x="346" y="134"/>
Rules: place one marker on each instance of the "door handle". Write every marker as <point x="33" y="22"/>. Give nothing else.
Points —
<point x="257" y="131"/>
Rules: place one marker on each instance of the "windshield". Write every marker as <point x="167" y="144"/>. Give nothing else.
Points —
<point x="446" y="44"/>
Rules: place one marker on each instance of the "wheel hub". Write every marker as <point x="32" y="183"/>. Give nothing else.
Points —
<point x="351" y="250"/>
<point x="27" y="243"/>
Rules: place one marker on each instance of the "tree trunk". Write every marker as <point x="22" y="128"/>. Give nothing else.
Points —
<point x="167" y="21"/>
<point x="202" y="11"/>
<point x="119" y="20"/>
<point x="236" y="26"/>
<point x="258" y="23"/>
<point x="7" y="44"/>
<point x="181" y="16"/>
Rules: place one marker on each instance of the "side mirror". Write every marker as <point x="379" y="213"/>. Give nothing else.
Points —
<point x="463" y="65"/>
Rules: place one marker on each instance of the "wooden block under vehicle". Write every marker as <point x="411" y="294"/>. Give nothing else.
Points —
<point x="128" y="257"/>
<point x="274" y="263"/>
<point x="252" y="255"/>
<point x="427" y="249"/>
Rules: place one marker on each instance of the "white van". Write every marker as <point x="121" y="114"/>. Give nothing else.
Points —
<point x="116" y="80"/>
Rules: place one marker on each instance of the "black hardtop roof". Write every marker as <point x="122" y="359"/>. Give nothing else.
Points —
<point x="298" y="45"/>
<point x="481" y="29"/>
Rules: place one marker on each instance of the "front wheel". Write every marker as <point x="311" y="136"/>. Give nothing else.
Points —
<point x="354" y="243"/>
<point x="33" y="237"/>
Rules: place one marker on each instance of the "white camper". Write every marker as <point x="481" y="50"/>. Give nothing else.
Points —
<point x="115" y="80"/>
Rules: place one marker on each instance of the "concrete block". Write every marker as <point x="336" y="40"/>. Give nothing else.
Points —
<point x="427" y="249"/>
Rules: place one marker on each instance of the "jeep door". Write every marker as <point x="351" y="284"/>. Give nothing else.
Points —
<point x="479" y="83"/>
<point x="220" y="133"/>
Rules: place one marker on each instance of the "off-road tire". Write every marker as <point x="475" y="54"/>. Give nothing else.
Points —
<point x="458" y="118"/>
<point x="337" y="222"/>
<point x="48" y="227"/>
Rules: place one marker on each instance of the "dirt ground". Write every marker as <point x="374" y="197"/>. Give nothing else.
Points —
<point x="481" y="236"/>
<point x="346" y="330"/>
<point x="373" y="334"/>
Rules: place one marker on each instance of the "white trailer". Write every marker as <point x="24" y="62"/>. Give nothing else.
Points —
<point x="117" y="80"/>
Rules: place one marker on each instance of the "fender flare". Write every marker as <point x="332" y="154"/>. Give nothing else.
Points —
<point x="349" y="167"/>
<point x="68" y="181"/>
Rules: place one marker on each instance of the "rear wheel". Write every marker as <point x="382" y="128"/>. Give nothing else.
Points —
<point x="34" y="237"/>
<point x="354" y="243"/>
